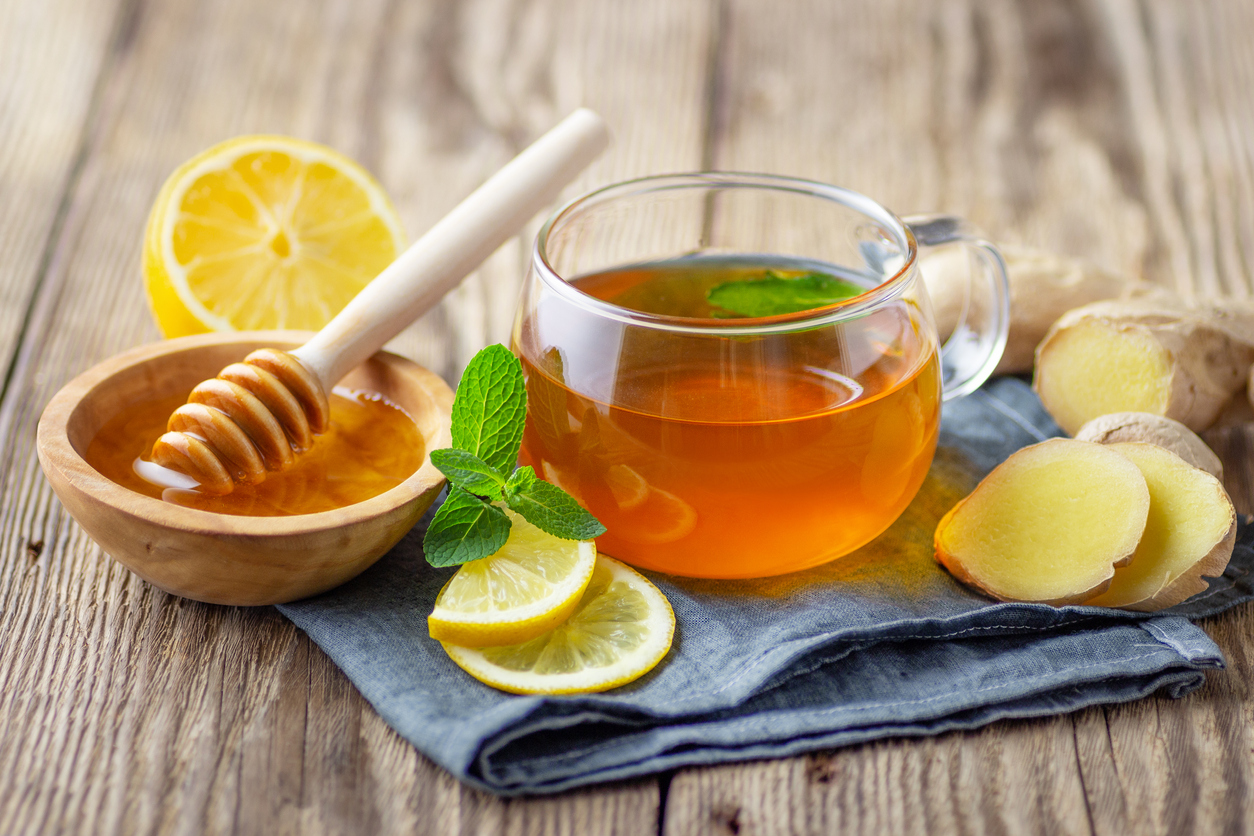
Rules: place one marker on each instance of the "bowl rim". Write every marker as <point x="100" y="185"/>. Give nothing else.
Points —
<point x="56" y="451"/>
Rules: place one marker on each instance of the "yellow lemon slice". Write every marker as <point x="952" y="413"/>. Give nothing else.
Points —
<point x="628" y="487"/>
<point x="621" y="629"/>
<point x="661" y="518"/>
<point x="524" y="590"/>
<point x="265" y="232"/>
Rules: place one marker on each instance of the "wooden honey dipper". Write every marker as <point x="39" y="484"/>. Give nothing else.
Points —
<point x="258" y="415"/>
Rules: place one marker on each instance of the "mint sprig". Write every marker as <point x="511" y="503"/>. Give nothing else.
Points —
<point x="464" y="529"/>
<point x="776" y="294"/>
<point x="489" y="410"/>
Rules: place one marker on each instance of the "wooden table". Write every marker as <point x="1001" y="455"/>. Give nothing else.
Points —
<point x="1118" y="130"/>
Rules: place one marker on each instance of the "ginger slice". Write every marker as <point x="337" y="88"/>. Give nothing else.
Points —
<point x="1049" y="525"/>
<point x="1153" y="429"/>
<point x="1190" y="533"/>
<point x="1142" y="356"/>
<point x="1094" y="368"/>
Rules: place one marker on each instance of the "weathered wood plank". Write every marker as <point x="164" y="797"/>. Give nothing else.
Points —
<point x="641" y="66"/>
<point x="1183" y="69"/>
<point x="1007" y="778"/>
<point x="51" y="55"/>
<point x="999" y="112"/>
<point x="123" y="710"/>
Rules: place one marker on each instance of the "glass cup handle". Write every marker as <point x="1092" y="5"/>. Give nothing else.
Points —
<point x="975" y="347"/>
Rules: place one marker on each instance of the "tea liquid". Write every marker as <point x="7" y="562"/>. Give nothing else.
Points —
<point x="372" y="446"/>
<point x="733" y="457"/>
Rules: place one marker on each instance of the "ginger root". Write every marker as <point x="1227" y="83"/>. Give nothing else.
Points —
<point x="1043" y="286"/>
<point x="1143" y="356"/>
<point x="1189" y="533"/>
<point x="1153" y="429"/>
<point x="1048" y="525"/>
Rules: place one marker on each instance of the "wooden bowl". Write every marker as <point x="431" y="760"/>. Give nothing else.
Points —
<point x="221" y="558"/>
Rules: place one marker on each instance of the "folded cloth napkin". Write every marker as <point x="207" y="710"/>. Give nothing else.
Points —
<point x="882" y="642"/>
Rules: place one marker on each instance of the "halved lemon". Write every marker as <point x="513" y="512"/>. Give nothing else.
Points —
<point x="265" y="232"/>
<point x="622" y="627"/>
<point x="524" y="590"/>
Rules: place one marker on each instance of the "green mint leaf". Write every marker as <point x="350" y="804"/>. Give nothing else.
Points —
<point x="490" y="407"/>
<point x="778" y="294"/>
<point x="550" y="508"/>
<point x="469" y="472"/>
<point x="464" y="529"/>
<point x="520" y="480"/>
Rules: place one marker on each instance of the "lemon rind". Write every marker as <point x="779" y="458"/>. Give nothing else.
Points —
<point x="653" y="651"/>
<point x="478" y="629"/>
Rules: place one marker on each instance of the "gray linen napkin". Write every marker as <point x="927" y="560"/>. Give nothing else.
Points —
<point x="882" y="642"/>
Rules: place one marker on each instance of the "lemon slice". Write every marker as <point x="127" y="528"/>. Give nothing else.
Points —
<point x="524" y="590"/>
<point x="628" y="487"/>
<point x="661" y="518"/>
<point x="621" y="629"/>
<point x="265" y="232"/>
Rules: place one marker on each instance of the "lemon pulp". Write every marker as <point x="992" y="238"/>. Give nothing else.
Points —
<point x="265" y="232"/>
<point x="523" y="590"/>
<point x="621" y="628"/>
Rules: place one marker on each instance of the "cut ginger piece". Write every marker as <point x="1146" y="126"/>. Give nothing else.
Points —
<point x="1118" y="427"/>
<point x="1189" y="534"/>
<point x="1092" y="369"/>
<point x="1049" y="525"/>
<point x="1143" y="356"/>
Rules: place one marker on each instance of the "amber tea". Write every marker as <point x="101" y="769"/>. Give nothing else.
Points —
<point x="747" y="455"/>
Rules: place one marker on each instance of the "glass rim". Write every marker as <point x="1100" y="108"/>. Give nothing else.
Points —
<point x="887" y="289"/>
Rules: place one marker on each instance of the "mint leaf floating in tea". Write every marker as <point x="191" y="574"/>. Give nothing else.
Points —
<point x="776" y="294"/>
<point x="489" y="411"/>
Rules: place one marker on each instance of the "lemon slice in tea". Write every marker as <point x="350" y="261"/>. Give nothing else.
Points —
<point x="523" y="590"/>
<point x="265" y="232"/>
<point x="622" y="627"/>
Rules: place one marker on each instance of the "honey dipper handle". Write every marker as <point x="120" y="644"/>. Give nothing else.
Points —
<point x="435" y="263"/>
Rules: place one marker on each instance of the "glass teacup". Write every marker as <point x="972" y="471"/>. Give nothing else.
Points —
<point x="719" y="445"/>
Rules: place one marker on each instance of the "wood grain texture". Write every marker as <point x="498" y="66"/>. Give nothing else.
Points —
<point x="1117" y="130"/>
<point x="52" y="56"/>
<point x="124" y="710"/>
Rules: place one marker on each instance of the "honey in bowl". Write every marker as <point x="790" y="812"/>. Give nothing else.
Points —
<point x="371" y="447"/>
<point x="730" y="456"/>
